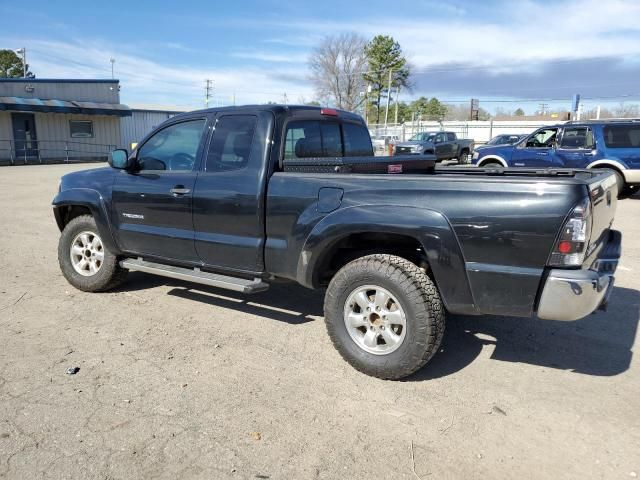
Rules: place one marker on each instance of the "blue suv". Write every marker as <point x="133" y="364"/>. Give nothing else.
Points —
<point x="612" y="144"/>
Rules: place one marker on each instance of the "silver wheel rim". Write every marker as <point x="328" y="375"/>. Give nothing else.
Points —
<point x="375" y="320"/>
<point x="87" y="253"/>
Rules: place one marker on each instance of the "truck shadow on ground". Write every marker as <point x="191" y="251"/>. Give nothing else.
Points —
<point x="283" y="302"/>
<point x="598" y="345"/>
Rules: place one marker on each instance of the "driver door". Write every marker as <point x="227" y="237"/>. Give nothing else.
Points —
<point x="537" y="150"/>
<point x="440" y="145"/>
<point x="152" y="206"/>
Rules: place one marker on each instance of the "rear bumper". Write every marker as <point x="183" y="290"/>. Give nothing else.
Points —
<point x="573" y="294"/>
<point x="632" y="176"/>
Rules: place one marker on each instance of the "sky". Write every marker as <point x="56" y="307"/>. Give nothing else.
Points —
<point x="507" y="53"/>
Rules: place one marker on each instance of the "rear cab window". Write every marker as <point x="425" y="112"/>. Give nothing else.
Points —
<point x="321" y="138"/>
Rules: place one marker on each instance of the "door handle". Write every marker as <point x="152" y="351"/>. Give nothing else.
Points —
<point x="179" y="190"/>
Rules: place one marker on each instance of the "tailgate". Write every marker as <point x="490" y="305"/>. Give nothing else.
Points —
<point x="604" y="194"/>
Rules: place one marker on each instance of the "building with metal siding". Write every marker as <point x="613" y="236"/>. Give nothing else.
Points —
<point x="43" y="120"/>
<point x="40" y="118"/>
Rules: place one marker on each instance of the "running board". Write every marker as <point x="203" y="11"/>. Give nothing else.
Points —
<point x="196" y="275"/>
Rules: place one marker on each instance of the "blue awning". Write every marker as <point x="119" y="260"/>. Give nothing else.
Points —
<point x="63" y="106"/>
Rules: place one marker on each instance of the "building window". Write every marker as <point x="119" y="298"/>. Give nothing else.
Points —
<point x="81" y="128"/>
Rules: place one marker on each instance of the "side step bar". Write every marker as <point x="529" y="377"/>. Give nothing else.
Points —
<point x="196" y="275"/>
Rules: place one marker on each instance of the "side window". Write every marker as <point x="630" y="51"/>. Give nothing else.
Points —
<point x="577" y="137"/>
<point x="172" y="148"/>
<point x="357" y="142"/>
<point x="81" y="128"/>
<point x="440" y="138"/>
<point x="543" y="138"/>
<point x="310" y="138"/>
<point x="451" y="137"/>
<point x="622" y="136"/>
<point x="230" y="147"/>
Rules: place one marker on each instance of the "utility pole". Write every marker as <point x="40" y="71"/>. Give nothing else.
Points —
<point x="397" y="100"/>
<point x="386" y="113"/>
<point x="112" y="60"/>
<point x="208" y="89"/>
<point x="23" y="51"/>
<point x="543" y="108"/>
<point x="284" y="98"/>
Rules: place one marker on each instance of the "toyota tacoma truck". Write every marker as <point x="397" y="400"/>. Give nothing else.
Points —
<point x="444" y="145"/>
<point x="240" y="197"/>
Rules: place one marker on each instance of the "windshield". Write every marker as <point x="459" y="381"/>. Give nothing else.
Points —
<point x="504" y="140"/>
<point x="423" y="137"/>
<point x="496" y="140"/>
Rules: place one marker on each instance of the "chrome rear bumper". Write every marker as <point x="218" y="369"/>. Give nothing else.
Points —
<point x="573" y="294"/>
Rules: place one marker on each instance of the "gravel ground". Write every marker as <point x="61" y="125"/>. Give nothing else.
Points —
<point x="182" y="381"/>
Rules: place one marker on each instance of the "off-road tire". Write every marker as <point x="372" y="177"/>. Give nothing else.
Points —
<point x="419" y="298"/>
<point x="110" y="274"/>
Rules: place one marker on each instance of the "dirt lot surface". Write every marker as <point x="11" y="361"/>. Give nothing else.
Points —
<point x="182" y="381"/>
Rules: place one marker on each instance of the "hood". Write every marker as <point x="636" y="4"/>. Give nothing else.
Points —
<point x="94" y="178"/>
<point x="503" y="151"/>
<point x="412" y="143"/>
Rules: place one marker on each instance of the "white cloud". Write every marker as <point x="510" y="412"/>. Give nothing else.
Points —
<point x="146" y="81"/>
<point x="262" y="56"/>
<point x="507" y="37"/>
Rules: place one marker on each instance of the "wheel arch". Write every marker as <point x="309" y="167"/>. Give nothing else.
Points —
<point x="422" y="236"/>
<point x="75" y="202"/>
<point x="484" y="160"/>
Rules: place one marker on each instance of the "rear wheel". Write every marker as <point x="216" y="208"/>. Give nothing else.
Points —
<point x="384" y="315"/>
<point x="619" y="182"/>
<point x="492" y="164"/>
<point x="462" y="158"/>
<point x="85" y="261"/>
<point x="629" y="191"/>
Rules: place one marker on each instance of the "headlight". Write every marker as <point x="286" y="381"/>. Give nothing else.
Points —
<point x="476" y="155"/>
<point x="416" y="148"/>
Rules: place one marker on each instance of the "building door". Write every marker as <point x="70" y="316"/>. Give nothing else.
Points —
<point x="24" y="136"/>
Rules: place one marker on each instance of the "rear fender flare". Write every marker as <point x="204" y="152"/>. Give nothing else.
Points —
<point x="430" y="228"/>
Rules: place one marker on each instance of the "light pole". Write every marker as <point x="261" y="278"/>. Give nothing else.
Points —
<point x="112" y="60"/>
<point x="23" y="51"/>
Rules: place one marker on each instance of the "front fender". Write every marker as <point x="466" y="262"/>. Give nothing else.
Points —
<point x="430" y="228"/>
<point x="86" y="197"/>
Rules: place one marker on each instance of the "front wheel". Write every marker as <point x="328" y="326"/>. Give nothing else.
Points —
<point x="384" y="316"/>
<point x="85" y="261"/>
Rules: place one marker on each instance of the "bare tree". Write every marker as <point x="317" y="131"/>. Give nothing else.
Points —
<point x="337" y="65"/>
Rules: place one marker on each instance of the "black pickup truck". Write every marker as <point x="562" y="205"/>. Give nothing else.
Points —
<point x="238" y="197"/>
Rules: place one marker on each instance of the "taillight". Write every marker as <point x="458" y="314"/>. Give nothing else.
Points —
<point x="332" y="112"/>
<point x="572" y="244"/>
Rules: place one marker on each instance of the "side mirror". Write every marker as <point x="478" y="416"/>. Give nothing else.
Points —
<point x="119" y="159"/>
